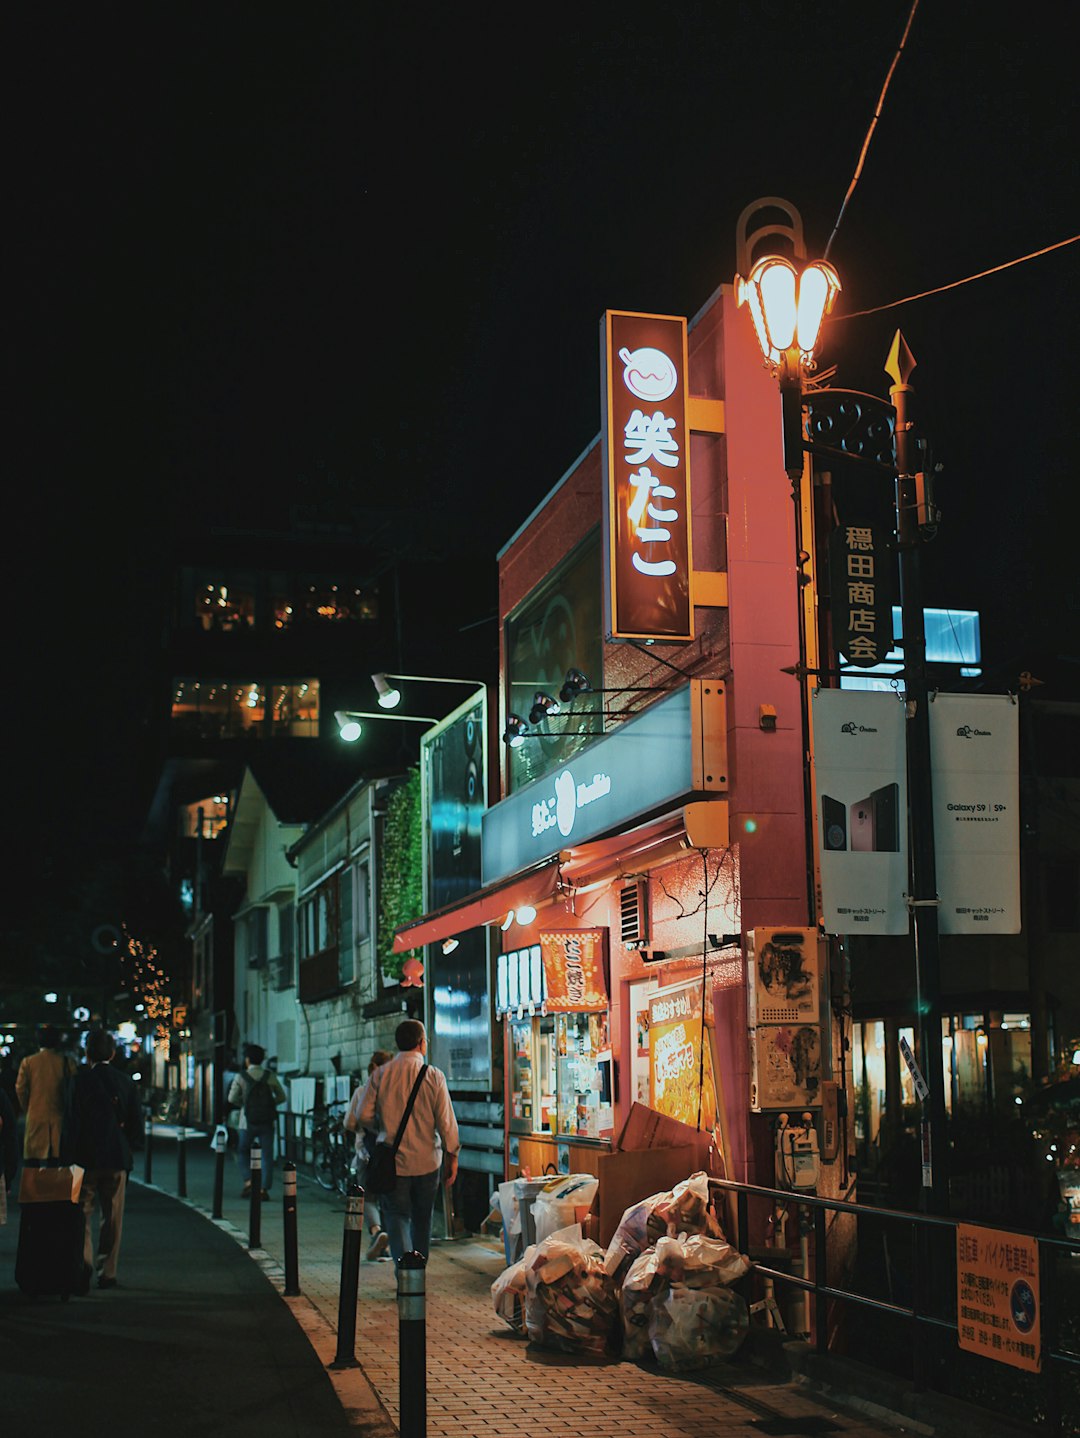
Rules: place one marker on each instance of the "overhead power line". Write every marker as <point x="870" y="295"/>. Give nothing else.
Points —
<point x="954" y="284"/>
<point x="873" y="126"/>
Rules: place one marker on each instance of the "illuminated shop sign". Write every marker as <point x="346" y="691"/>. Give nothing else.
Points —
<point x="647" y="559"/>
<point x="574" y="964"/>
<point x="861" y="567"/>
<point x="637" y="769"/>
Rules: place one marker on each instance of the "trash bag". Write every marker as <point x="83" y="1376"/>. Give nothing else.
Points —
<point x="559" y="1203"/>
<point x="683" y="1209"/>
<point x="508" y="1291"/>
<point x="698" y="1262"/>
<point x="570" y="1304"/>
<point x="695" y="1327"/>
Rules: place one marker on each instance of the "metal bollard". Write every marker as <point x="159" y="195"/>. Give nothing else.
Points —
<point x="219" y="1143"/>
<point x="412" y="1345"/>
<point x="148" y="1160"/>
<point x="351" y="1243"/>
<point x="255" y="1210"/>
<point x="292" y="1262"/>
<point x="181" y="1162"/>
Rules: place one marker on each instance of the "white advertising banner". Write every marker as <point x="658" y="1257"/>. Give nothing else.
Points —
<point x="861" y="798"/>
<point x="975" y="758"/>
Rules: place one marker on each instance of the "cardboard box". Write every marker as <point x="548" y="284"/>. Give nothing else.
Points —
<point x="645" y="1128"/>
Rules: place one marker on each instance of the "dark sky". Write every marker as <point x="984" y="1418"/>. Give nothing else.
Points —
<point x="259" y="242"/>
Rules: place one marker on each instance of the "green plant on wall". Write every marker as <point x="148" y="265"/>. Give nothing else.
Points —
<point x="400" y="874"/>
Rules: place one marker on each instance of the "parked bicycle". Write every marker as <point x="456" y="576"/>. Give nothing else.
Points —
<point x="332" y="1148"/>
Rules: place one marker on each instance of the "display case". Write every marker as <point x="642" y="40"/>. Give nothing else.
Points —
<point x="583" y="1076"/>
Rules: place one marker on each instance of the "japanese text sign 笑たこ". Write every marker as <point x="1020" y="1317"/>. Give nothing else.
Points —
<point x="574" y="970"/>
<point x="647" y="551"/>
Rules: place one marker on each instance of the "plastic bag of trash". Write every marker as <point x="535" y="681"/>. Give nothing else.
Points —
<point x="561" y="1203"/>
<point x="570" y="1302"/>
<point x="698" y="1262"/>
<point x="683" y="1209"/>
<point x="695" y="1327"/>
<point x="508" y="1291"/>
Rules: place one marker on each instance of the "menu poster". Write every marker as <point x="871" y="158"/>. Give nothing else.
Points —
<point x="575" y="970"/>
<point x="677" y="1074"/>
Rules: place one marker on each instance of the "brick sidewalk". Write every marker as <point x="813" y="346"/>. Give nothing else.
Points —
<point x="482" y="1379"/>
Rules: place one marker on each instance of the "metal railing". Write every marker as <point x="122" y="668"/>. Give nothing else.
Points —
<point x="923" y="1260"/>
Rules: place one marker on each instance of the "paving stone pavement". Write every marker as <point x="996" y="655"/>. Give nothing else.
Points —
<point x="483" y="1381"/>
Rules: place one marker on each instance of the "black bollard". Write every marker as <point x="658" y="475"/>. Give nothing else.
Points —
<point x="219" y="1144"/>
<point x="292" y="1263"/>
<point x="351" y="1243"/>
<point x="412" y="1345"/>
<point x="255" y="1211"/>
<point x="148" y="1160"/>
<point x="181" y="1161"/>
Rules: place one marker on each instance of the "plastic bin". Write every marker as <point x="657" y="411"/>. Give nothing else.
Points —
<point x="528" y="1190"/>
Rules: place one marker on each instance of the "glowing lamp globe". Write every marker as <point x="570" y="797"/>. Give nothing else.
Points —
<point x="788" y="305"/>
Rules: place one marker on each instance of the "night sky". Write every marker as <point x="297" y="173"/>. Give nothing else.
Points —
<point x="257" y="245"/>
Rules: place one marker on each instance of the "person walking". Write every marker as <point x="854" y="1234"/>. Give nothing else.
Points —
<point x="108" y="1125"/>
<point x="42" y="1089"/>
<point x="429" y="1143"/>
<point x="256" y="1093"/>
<point x="9" y="1150"/>
<point x="365" y="1147"/>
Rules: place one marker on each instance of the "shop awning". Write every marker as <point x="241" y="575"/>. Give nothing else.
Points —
<point x="485" y="906"/>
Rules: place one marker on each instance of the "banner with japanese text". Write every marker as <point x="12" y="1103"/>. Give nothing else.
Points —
<point x="997" y="1295"/>
<point x="647" y="550"/>
<point x="861" y="798"/>
<point x="975" y="758"/>
<point x="678" y="1070"/>
<point x="574" y="970"/>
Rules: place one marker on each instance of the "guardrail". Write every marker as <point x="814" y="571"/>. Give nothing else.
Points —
<point x="923" y="1267"/>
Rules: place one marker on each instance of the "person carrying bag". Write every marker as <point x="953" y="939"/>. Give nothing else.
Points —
<point x="408" y="1097"/>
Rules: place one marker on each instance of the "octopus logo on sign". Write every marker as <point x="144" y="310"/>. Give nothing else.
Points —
<point x="649" y="373"/>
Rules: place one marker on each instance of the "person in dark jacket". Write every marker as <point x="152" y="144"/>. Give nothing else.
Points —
<point x="9" y="1149"/>
<point x="108" y="1123"/>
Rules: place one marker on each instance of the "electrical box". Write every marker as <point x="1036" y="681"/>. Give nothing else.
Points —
<point x="785" y="1067"/>
<point x="784" y="968"/>
<point x="798" y="1165"/>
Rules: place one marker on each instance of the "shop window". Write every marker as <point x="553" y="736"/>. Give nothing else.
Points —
<point x="225" y="608"/>
<point x="206" y="819"/>
<point x="561" y="1075"/>
<point x="294" y="710"/>
<point x="557" y="628"/>
<point x="217" y="709"/>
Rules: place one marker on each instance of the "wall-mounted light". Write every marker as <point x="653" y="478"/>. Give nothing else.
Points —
<point x="525" y="914"/>
<point x="449" y="945"/>
<point x="515" y="731"/>
<point x="350" y="728"/>
<point x="389" y="695"/>
<point x="576" y="682"/>
<point x="543" y="707"/>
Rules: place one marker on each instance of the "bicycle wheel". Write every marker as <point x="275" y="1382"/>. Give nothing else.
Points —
<point x="324" y="1164"/>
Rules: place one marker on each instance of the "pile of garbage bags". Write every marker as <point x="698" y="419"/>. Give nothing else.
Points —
<point x="664" y="1286"/>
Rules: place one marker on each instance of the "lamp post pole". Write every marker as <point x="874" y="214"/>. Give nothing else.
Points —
<point x="914" y="512"/>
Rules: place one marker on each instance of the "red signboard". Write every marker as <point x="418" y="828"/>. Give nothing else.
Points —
<point x="574" y="970"/>
<point x="647" y="497"/>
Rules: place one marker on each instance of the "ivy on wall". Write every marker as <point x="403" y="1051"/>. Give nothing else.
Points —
<point x="400" y="874"/>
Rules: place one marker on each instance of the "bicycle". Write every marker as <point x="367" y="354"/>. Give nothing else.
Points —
<point x="332" y="1148"/>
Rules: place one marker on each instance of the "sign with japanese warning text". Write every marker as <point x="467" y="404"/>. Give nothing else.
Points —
<point x="997" y="1295"/>
<point x="647" y="551"/>
<point x="975" y="757"/>
<point x="574" y="970"/>
<point x="681" y="1082"/>
<point x="861" y="569"/>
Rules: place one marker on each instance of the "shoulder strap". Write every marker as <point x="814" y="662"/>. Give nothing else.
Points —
<point x="409" y="1106"/>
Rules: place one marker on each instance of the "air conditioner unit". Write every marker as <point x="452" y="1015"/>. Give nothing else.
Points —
<point x="634" y="914"/>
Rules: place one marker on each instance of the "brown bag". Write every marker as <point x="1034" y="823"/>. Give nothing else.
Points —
<point x="50" y="1185"/>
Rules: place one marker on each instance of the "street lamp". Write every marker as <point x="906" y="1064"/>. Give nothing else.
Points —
<point x="389" y="695"/>
<point x="350" y="728"/>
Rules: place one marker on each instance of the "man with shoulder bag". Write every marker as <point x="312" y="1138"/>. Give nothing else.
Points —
<point x="408" y="1103"/>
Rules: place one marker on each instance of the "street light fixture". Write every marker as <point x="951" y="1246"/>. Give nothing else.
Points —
<point x="390" y="695"/>
<point x="350" y="728"/>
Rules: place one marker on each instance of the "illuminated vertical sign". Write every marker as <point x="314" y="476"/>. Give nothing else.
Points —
<point x="647" y="554"/>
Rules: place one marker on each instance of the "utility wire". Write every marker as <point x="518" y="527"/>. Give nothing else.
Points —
<point x="873" y="126"/>
<point x="856" y="314"/>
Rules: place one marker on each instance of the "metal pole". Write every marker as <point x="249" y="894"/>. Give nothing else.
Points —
<point x="148" y="1156"/>
<point x="181" y="1161"/>
<point x="292" y="1263"/>
<point x="412" y="1345"/>
<point x="255" y="1210"/>
<point x="219" y="1174"/>
<point x="351" y="1243"/>
<point x="912" y="514"/>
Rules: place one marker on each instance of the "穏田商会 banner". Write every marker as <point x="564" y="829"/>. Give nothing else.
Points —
<point x="975" y="754"/>
<point x="861" y="798"/>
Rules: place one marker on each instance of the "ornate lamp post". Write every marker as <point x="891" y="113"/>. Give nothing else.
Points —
<point x="788" y="302"/>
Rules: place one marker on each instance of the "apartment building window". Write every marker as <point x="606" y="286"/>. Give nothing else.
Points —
<point x="209" y="709"/>
<point x="318" y="934"/>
